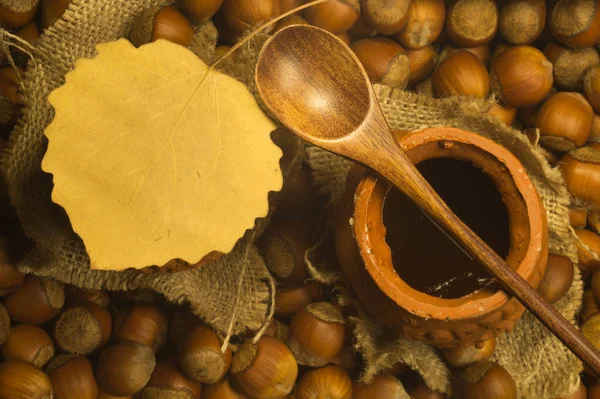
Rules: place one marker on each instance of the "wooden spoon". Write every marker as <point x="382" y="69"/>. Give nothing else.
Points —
<point x="312" y="82"/>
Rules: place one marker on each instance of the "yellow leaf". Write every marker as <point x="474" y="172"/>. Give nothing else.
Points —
<point x="155" y="156"/>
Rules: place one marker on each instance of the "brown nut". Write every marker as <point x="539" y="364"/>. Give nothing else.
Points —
<point x="505" y="113"/>
<point x="522" y="21"/>
<point x="486" y="380"/>
<point x="384" y="60"/>
<point x="19" y="379"/>
<point x="578" y="217"/>
<point x="52" y="11"/>
<point x="72" y="377"/>
<point x="589" y="306"/>
<point x="201" y="358"/>
<point x="385" y="16"/>
<point x="591" y="86"/>
<point x="581" y="170"/>
<point x="521" y="76"/>
<point x="330" y="382"/>
<point x="421" y="64"/>
<point x="336" y="16"/>
<point x="83" y="328"/>
<point x="290" y="300"/>
<point x="10" y="276"/>
<point x="221" y="390"/>
<point x="557" y="279"/>
<point x="15" y="14"/>
<point x="28" y="343"/>
<point x="316" y="334"/>
<point x="168" y="381"/>
<point x="593" y="220"/>
<point x="75" y="295"/>
<point x="462" y="356"/>
<point x="199" y="12"/>
<point x="421" y="391"/>
<point x="266" y="370"/>
<point x="161" y="23"/>
<point x="142" y="323"/>
<point x="470" y="23"/>
<point x="424" y="25"/>
<point x="382" y="386"/>
<point x="125" y="368"/>
<point x="461" y="73"/>
<point x="564" y="121"/>
<point x="575" y="23"/>
<point x="570" y="65"/>
<point x="241" y="16"/>
<point x="36" y="301"/>
<point x="289" y="21"/>
<point x="588" y="250"/>
<point x="182" y="322"/>
<point x="4" y="324"/>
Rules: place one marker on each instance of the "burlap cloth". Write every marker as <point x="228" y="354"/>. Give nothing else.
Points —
<point x="235" y="293"/>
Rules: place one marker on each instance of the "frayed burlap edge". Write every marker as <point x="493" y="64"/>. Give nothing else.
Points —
<point x="542" y="367"/>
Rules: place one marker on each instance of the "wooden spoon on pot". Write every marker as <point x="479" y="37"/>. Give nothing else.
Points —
<point x="311" y="81"/>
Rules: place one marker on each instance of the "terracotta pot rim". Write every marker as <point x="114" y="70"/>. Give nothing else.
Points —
<point x="472" y="305"/>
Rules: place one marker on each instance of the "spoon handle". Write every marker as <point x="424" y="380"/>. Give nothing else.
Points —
<point x="393" y="164"/>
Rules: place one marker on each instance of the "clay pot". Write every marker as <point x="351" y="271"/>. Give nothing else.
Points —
<point x="367" y="259"/>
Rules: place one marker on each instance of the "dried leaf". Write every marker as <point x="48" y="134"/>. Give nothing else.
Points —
<point x="155" y="156"/>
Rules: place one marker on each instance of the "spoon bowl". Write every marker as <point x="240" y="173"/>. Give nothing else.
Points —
<point x="297" y="84"/>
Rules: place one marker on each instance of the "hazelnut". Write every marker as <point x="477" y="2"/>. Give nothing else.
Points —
<point x="462" y="356"/>
<point x="142" y="323"/>
<point x="72" y="377"/>
<point x="10" y="276"/>
<point x="483" y="52"/>
<point x="521" y="76"/>
<point x="52" y="11"/>
<point x="522" y="21"/>
<point x="182" y="322"/>
<point x="470" y="23"/>
<point x="384" y="60"/>
<point x="570" y="65"/>
<point x="382" y="386"/>
<point x="125" y="368"/>
<point x="564" y="121"/>
<point x="75" y="295"/>
<point x="581" y="170"/>
<point x="421" y="391"/>
<point x="385" y="16"/>
<point x="241" y="16"/>
<point x="289" y="5"/>
<point x="266" y="370"/>
<point x="505" y="113"/>
<point x="289" y="21"/>
<point x="36" y="301"/>
<point x="461" y="73"/>
<point x="201" y="357"/>
<point x="168" y="381"/>
<point x="362" y="28"/>
<point x="221" y="390"/>
<point x="575" y="23"/>
<point x="589" y="306"/>
<point x="588" y="250"/>
<point x="28" y="343"/>
<point x="578" y="217"/>
<point x="593" y="220"/>
<point x="278" y="330"/>
<point x="161" y="23"/>
<point x="283" y="246"/>
<point x="486" y="380"/>
<point x="83" y="328"/>
<point x="4" y="324"/>
<point x="15" y="14"/>
<point x="290" y="300"/>
<point x="330" y="382"/>
<point x="336" y="16"/>
<point x="421" y="64"/>
<point x="19" y="379"/>
<point x="591" y="86"/>
<point x="424" y="25"/>
<point x="199" y="11"/>
<point x="316" y="334"/>
<point x="557" y="279"/>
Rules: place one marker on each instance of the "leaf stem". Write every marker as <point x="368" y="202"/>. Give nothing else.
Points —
<point x="263" y="27"/>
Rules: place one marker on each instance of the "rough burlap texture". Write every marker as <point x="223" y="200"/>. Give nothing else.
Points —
<point x="542" y="367"/>
<point x="234" y="293"/>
